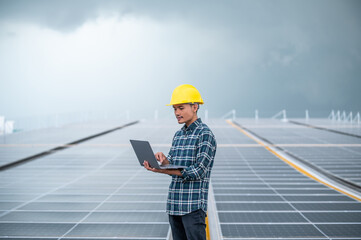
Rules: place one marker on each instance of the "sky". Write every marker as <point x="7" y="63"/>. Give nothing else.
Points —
<point x="128" y="56"/>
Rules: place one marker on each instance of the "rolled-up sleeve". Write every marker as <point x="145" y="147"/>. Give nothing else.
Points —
<point x="205" y="152"/>
<point x="170" y="157"/>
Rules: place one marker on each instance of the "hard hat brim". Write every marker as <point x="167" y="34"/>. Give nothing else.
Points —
<point x="171" y="104"/>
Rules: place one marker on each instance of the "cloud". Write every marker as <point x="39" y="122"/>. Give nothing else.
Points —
<point x="61" y="15"/>
<point x="241" y="54"/>
<point x="68" y="15"/>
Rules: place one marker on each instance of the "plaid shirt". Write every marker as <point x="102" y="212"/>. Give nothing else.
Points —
<point x="194" y="147"/>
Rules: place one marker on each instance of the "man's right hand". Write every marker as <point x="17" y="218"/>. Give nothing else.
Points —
<point x="161" y="158"/>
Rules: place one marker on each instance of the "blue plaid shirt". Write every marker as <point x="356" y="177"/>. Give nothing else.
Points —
<point x="194" y="147"/>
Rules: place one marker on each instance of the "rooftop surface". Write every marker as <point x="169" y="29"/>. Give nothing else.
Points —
<point x="271" y="180"/>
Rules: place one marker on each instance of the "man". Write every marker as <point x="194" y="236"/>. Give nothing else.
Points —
<point x="193" y="146"/>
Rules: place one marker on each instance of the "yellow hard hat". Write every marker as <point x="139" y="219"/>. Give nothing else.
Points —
<point x="185" y="93"/>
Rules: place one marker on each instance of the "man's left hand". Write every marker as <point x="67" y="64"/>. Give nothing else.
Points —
<point x="149" y="168"/>
<point x="164" y="171"/>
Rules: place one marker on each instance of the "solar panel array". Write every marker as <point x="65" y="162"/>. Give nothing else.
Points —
<point x="93" y="190"/>
<point x="346" y="127"/>
<point x="20" y="145"/>
<point x="97" y="190"/>
<point x="258" y="196"/>
<point x="339" y="154"/>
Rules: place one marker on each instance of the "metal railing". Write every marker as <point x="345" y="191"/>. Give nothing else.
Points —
<point x="281" y="113"/>
<point x="58" y="120"/>
<point x="343" y="117"/>
<point x="230" y="113"/>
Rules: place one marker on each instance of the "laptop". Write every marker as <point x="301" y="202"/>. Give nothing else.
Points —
<point x="144" y="152"/>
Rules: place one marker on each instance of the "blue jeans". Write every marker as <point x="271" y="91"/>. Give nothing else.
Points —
<point x="191" y="226"/>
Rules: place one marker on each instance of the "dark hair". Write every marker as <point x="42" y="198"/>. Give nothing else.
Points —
<point x="195" y="104"/>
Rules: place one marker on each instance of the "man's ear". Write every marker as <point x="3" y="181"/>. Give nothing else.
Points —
<point x="195" y="107"/>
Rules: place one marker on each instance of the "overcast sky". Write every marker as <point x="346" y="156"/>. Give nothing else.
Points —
<point x="74" y="56"/>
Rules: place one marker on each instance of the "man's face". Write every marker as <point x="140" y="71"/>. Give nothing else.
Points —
<point x="185" y="113"/>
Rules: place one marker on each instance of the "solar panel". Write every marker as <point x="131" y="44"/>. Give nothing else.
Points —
<point x="341" y="230"/>
<point x="120" y="230"/>
<point x="271" y="231"/>
<point x="253" y="206"/>
<point x="261" y="217"/>
<point x="349" y="217"/>
<point x="98" y="190"/>
<point x="287" y="203"/>
<point x="85" y="191"/>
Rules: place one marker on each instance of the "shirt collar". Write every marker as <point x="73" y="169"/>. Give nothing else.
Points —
<point x="194" y="124"/>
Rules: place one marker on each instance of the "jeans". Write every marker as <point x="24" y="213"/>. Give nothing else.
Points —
<point x="191" y="226"/>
